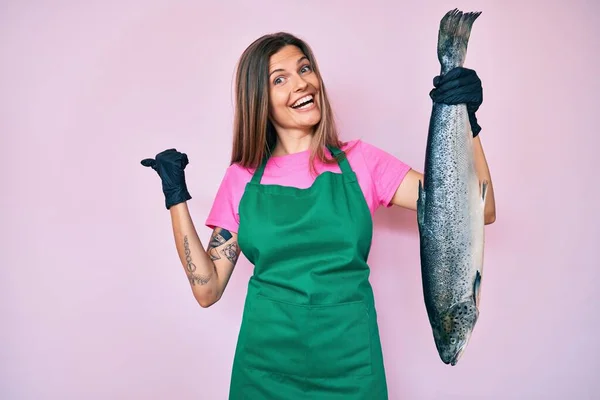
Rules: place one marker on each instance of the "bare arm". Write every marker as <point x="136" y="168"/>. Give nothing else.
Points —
<point x="408" y="192"/>
<point x="209" y="270"/>
<point x="483" y="171"/>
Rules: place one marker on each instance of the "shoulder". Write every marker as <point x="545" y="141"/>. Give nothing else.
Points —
<point x="380" y="168"/>
<point x="236" y="175"/>
<point x="233" y="182"/>
<point x="369" y="152"/>
<point x="360" y="144"/>
<point x="224" y="210"/>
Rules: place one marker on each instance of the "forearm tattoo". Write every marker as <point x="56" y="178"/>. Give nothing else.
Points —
<point x="188" y="255"/>
<point x="195" y="279"/>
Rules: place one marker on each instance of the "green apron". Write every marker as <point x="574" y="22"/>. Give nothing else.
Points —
<point x="309" y="328"/>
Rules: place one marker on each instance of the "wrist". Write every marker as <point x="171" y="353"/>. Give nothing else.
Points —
<point x="176" y="196"/>
<point x="179" y="208"/>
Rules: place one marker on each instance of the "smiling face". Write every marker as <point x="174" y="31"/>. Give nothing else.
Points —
<point x="294" y="107"/>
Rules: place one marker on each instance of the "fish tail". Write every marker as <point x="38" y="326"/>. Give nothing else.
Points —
<point x="453" y="38"/>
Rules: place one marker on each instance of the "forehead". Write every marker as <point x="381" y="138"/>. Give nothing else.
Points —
<point x="287" y="55"/>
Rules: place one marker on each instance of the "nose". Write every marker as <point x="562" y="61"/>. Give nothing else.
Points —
<point x="299" y="84"/>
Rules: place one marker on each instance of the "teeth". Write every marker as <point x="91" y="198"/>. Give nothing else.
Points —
<point x="304" y="106"/>
<point x="303" y="100"/>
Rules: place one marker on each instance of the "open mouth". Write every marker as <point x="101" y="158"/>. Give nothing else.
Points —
<point x="304" y="102"/>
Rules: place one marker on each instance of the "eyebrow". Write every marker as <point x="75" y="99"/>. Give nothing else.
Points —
<point x="297" y="62"/>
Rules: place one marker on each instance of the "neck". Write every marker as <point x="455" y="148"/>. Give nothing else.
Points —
<point x="292" y="142"/>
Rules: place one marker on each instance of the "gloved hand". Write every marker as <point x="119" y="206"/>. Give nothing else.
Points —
<point x="460" y="86"/>
<point x="169" y="165"/>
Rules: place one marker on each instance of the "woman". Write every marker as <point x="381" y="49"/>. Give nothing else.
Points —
<point x="299" y="203"/>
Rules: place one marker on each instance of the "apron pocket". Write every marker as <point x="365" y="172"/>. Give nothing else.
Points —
<point x="339" y="340"/>
<point x="275" y="337"/>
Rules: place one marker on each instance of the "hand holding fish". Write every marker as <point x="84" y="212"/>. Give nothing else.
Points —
<point x="460" y="86"/>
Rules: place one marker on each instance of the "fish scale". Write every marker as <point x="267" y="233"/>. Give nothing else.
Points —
<point x="450" y="209"/>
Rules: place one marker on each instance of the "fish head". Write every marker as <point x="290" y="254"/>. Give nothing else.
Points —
<point x="453" y="332"/>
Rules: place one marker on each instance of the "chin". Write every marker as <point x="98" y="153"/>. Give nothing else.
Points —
<point x="298" y="119"/>
<point x="312" y="122"/>
<point x="308" y="118"/>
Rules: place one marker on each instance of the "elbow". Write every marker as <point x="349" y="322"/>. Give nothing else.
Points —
<point x="489" y="217"/>
<point x="207" y="300"/>
<point x="206" y="304"/>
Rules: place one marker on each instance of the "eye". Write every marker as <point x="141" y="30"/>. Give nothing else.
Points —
<point x="278" y="80"/>
<point x="305" y="68"/>
<point x="452" y="341"/>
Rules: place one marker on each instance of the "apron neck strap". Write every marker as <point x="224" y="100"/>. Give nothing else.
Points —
<point x="335" y="152"/>
<point x="260" y="170"/>
<point x="342" y="160"/>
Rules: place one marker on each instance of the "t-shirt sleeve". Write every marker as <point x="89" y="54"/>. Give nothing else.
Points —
<point x="224" y="211"/>
<point x="387" y="172"/>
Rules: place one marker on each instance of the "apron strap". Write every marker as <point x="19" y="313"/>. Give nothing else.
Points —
<point x="259" y="171"/>
<point x="342" y="161"/>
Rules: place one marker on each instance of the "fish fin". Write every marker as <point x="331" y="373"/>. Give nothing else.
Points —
<point x="484" y="186"/>
<point x="421" y="205"/>
<point x="477" y="288"/>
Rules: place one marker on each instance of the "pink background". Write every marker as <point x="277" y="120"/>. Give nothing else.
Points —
<point x="94" y="303"/>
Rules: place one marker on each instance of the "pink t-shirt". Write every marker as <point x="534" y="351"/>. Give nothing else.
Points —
<point x="379" y="175"/>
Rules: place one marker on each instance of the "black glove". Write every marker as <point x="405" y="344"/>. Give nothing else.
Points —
<point x="169" y="165"/>
<point x="460" y="86"/>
